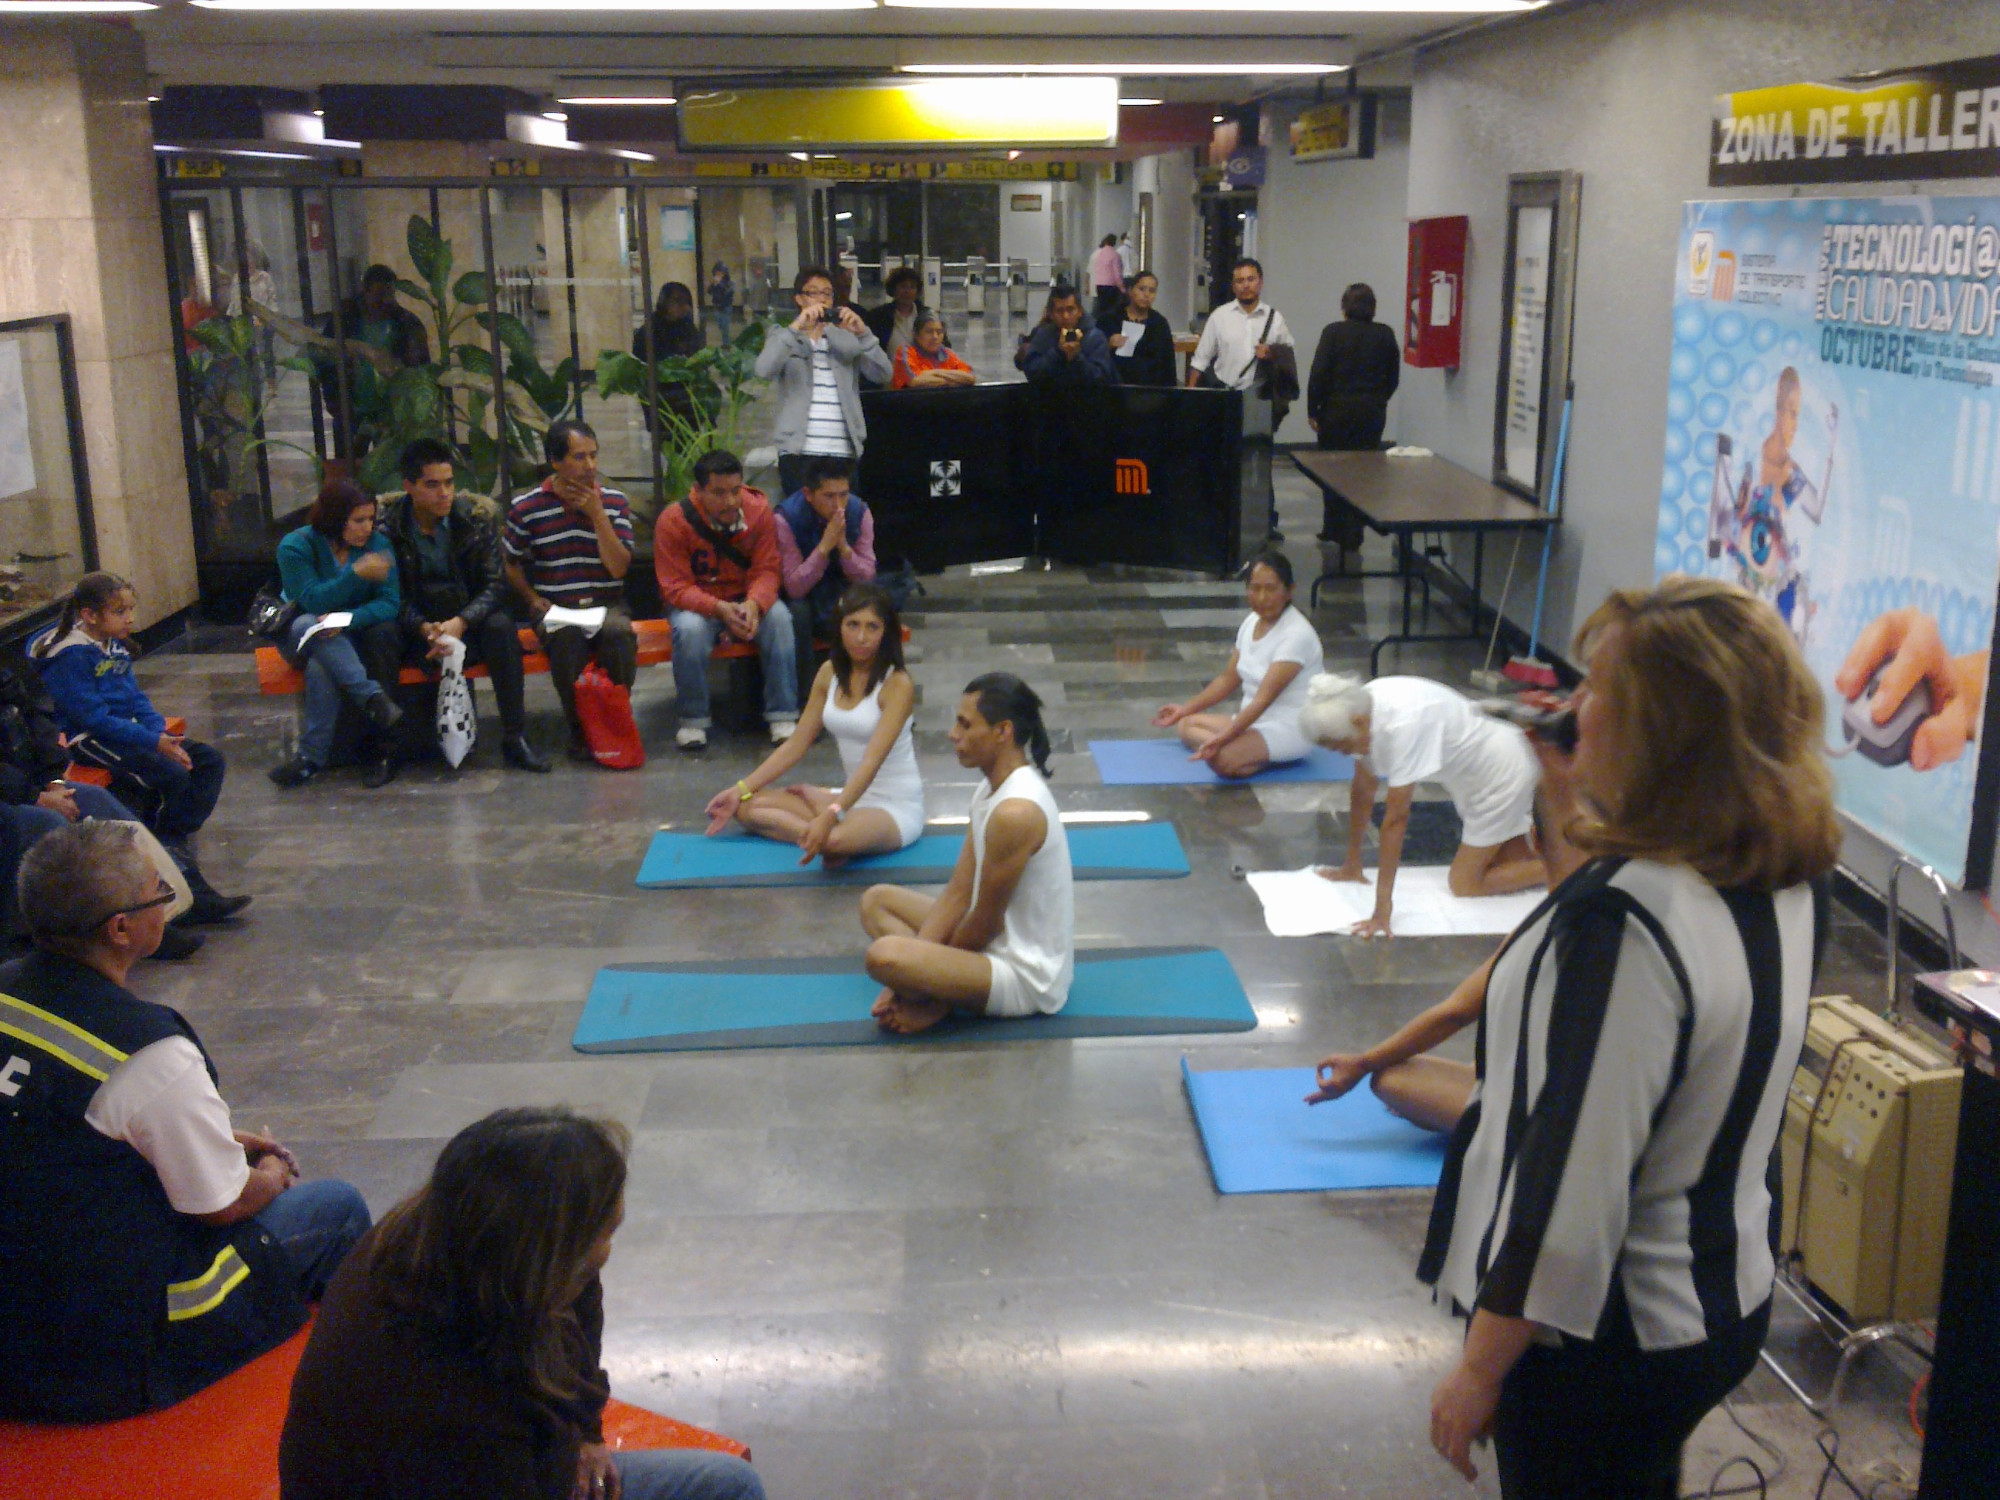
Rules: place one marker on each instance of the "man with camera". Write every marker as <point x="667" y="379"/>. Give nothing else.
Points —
<point x="1062" y="351"/>
<point x="814" y="361"/>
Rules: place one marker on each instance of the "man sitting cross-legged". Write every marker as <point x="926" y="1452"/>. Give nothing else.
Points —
<point x="1001" y="940"/>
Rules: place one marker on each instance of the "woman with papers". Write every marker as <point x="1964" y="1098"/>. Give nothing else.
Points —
<point x="1142" y="341"/>
<point x="1403" y="730"/>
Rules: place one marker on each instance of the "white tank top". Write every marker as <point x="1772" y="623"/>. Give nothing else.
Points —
<point x="897" y="783"/>
<point x="1038" y="935"/>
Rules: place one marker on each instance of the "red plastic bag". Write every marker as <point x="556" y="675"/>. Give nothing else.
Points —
<point x="608" y="726"/>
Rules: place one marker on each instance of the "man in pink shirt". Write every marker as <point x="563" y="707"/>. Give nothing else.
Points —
<point x="826" y="541"/>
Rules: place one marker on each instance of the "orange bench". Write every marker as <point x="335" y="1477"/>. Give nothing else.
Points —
<point x="277" y="677"/>
<point x="97" y="776"/>
<point x="222" y="1443"/>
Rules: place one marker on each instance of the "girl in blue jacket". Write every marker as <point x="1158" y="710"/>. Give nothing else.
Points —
<point x="339" y="564"/>
<point x="111" y="723"/>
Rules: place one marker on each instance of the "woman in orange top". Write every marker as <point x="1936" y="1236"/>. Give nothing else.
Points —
<point x="925" y="362"/>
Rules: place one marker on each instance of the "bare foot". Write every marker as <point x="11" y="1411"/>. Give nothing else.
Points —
<point x="908" y="1017"/>
<point x="884" y="1003"/>
<point x="834" y="861"/>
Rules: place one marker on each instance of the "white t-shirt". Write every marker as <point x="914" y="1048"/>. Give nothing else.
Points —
<point x="826" y="421"/>
<point x="1037" y="939"/>
<point x="1421" y="730"/>
<point x="1293" y="639"/>
<point x="161" y="1102"/>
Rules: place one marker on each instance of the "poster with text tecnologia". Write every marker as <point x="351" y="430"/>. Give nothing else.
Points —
<point x="1833" y="444"/>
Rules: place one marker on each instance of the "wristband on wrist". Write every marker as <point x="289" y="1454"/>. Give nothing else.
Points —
<point x="839" y="812"/>
<point x="743" y="793"/>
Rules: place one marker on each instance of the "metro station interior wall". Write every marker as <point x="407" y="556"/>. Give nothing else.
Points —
<point x="80" y="234"/>
<point x="1323" y="225"/>
<point x="1623" y="92"/>
<point x="1025" y="235"/>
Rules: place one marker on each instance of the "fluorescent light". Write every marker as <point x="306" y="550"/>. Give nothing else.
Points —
<point x="798" y="155"/>
<point x="1216" y="119"/>
<point x="346" y="145"/>
<point x="1127" y="69"/>
<point x="844" y="214"/>
<point x="152" y="98"/>
<point x="557" y="115"/>
<point x="1140" y="103"/>
<point x="238" y="151"/>
<point x="630" y="155"/>
<point x="1324" y="7"/>
<point x="1013" y="156"/>
<point x="321" y="113"/>
<point x="71" y="7"/>
<point x="608" y="99"/>
<point x="489" y="5"/>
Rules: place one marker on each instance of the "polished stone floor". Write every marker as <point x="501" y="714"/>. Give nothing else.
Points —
<point x="935" y="1270"/>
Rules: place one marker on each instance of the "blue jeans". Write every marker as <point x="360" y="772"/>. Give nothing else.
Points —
<point x="685" y="1474"/>
<point x="695" y="636"/>
<point x="317" y="1223"/>
<point x="334" y="670"/>
<point x="180" y="797"/>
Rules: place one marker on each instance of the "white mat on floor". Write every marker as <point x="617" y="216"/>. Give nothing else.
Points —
<point x="1298" y="903"/>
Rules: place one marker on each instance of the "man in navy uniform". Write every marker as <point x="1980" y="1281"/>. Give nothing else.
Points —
<point x="149" y="1248"/>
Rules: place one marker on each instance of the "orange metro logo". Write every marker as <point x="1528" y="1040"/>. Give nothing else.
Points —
<point x="1129" y="477"/>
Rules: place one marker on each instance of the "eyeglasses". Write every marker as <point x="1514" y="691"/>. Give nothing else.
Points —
<point x="165" y="898"/>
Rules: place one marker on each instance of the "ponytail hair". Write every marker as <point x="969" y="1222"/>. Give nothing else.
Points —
<point x="93" y="591"/>
<point x="1005" y="699"/>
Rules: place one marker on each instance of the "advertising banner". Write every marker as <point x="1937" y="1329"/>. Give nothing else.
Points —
<point x="1833" y="444"/>
<point x="1338" y="129"/>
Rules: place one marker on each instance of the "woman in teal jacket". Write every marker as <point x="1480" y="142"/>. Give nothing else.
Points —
<point x="338" y="563"/>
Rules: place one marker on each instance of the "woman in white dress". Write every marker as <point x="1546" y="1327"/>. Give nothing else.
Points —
<point x="1403" y="730"/>
<point x="1277" y="653"/>
<point x="864" y="697"/>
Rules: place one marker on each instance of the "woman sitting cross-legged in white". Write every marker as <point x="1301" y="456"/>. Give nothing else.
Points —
<point x="1277" y="653"/>
<point x="864" y="697"/>
<point x="1403" y="730"/>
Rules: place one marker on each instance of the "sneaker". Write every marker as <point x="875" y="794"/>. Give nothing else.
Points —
<point x="691" y="737"/>
<point x="382" y="711"/>
<point x="781" y="730"/>
<point x="294" y="772"/>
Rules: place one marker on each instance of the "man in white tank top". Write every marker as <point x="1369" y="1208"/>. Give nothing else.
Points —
<point x="1001" y="940"/>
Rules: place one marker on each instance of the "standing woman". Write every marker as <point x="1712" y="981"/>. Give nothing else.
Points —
<point x="456" y="1355"/>
<point x="864" y="697"/>
<point x="1605" y="1217"/>
<point x="1107" y="276"/>
<point x="1149" y="359"/>
<point x="339" y="563"/>
<point x="1277" y="653"/>
<point x="1355" y="371"/>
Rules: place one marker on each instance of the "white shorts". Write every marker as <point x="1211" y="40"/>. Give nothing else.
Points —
<point x="1282" y="740"/>
<point x="1010" y="996"/>
<point x="1502" y="806"/>
<point x="908" y="816"/>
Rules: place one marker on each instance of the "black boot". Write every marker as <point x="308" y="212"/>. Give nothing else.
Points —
<point x="521" y="755"/>
<point x="210" y="905"/>
<point x="381" y="770"/>
<point x="383" y="711"/>
<point x="176" y="943"/>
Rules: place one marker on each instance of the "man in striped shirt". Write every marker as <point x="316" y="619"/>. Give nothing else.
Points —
<point x="568" y="544"/>
<point x="814" y="362"/>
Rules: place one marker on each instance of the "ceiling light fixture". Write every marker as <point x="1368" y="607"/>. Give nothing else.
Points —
<point x="1216" y="119"/>
<point x="1013" y="156"/>
<point x="1130" y="69"/>
<point x="484" y="5"/>
<point x="1139" y="103"/>
<point x="71" y="7"/>
<point x="620" y="151"/>
<point x="799" y="155"/>
<point x="321" y="113"/>
<point x="1308" y="7"/>
<point x="557" y="115"/>
<point x="633" y="101"/>
<point x="239" y="151"/>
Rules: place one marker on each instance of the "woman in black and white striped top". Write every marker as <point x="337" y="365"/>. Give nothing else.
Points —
<point x="1608" y="1212"/>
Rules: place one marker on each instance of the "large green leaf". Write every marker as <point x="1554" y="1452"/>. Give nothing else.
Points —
<point x="474" y="288"/>
<point x="413" y="400"/>
<point x="302" y="364"/>
<point x="379" y="468"/>
<point x="619" y="374"/>
<point x="428" y="253"/>
<point x="513" y="333"/>
<point x="231" y="338"/>
<point x="475" y="358"/>
<point x="414" y="292"/>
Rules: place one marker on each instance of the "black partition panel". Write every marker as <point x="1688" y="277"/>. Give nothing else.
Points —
<point x="944" y="473"/>
<point x="1134" y="475"/>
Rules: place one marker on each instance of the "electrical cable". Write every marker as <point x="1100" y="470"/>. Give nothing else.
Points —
<point x="1917" y="1390"/>
<point x="1832" y="1451"/>
<point x="1762" y="1486"/>
<point x="1763" y="1480"/>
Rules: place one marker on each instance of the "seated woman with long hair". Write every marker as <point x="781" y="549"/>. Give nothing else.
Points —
<point x="864" y="696"/>
<point x="456" y="1354"/>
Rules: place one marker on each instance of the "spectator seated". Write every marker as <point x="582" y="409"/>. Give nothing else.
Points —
<point x="222" y="1443"/>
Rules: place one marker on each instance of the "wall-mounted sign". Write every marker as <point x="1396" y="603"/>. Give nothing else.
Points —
<point x="1937" y="121"/>
<point x="1243" y="168"/>
<point x="835" y="170"/>
<point x="1025" y="203"/>
<point x="1538" y="297"/>
<point x="1340" y="128"/>
<point x="1833" y="445"/>
<point x="193" y="166"/>
<point x="943" y="112"/>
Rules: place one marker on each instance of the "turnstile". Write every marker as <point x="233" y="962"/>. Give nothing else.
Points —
<point x="975" y="284"/>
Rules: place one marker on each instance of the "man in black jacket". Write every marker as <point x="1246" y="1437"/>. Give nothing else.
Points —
<point x="454" y="587"/>
<point x="1355" y="371"/>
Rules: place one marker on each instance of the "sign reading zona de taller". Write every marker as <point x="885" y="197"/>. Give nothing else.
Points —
<point x="1937" y="121"/>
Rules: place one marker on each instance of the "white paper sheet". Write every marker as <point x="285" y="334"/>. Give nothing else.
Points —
<point x="1133" y="333"/>
<point x="1298" y="903"/>
<point x="340" y="619"/>
<point x="589" y="621"/>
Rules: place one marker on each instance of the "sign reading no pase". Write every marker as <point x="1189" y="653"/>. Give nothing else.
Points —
<point x="1938" y="121"/>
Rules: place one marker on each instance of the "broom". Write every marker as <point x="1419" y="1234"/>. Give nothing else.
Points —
<point x="1531" y="670"/>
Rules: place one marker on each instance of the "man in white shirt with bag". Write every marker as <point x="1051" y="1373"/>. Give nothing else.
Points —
<point x="1245" y="346"/>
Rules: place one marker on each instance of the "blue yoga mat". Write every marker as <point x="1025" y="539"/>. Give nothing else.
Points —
<point x="1164" y="762"/>
<point x="1113" y="851"/>
<point x="824" y="1003"/>
<point x="1262" y="1137"/>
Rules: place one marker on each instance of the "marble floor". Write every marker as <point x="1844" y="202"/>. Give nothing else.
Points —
<point x="940" y="1270"/>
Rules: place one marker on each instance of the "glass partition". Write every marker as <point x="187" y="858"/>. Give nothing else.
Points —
<point x="47" y="541"/>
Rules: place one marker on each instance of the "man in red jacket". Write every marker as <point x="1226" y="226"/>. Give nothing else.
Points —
<point x="716" y="553"/>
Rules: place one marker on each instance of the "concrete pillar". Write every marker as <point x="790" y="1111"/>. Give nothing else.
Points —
<point x="1170" y="178"/>
<point x="80" y="233"/>
<point x="607" y="292"/>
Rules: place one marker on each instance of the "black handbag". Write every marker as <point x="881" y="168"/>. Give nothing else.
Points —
<point x="271" y="613"/>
